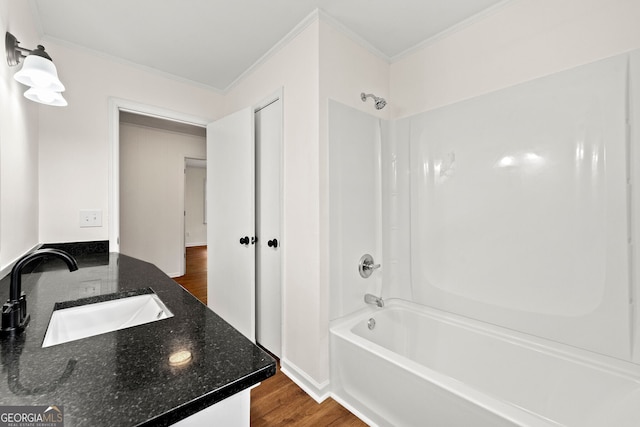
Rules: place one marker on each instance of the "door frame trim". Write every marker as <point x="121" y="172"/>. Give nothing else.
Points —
<point x="115" y="106"/>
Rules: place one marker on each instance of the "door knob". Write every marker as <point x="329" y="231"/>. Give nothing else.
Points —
<point x="244" y="240"/>
<point x="273" y="243"/>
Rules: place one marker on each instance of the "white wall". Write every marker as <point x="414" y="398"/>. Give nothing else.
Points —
<point x="74" y="141"/>
<point x="295" y="69"/>
<point x="195" y="227"/>
<point x="349" y="158"/>
<point x="522" y="41"/>
<point x="355" y="201"/>
<point x="519" y="207"/>
<point x="74" y="163"/>
<point x="152" y="194"/>
<point x="519" y="42"/>
<point x="319" y="64"/>
<point x="18" y="145"/>
<point x="634" y="155"/>
<point x="347" y="69"/>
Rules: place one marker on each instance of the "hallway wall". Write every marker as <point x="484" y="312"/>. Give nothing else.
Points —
<point x="195" y="225"/>
<point x="152" y="194"/>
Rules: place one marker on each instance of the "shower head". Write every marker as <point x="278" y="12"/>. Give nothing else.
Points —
<point x="379" y="103"/>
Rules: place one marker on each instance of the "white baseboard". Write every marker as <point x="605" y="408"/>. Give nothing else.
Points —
<point x="354" y="411"/>
<point x="190" y="245"/>
<point x="318" y="391"/>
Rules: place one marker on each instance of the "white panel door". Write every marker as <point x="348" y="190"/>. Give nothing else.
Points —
<point x="268" y="284"/>
<point x="231" y="220"/>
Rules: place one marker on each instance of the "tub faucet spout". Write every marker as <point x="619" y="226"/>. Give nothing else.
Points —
<point x="372" y="299"/>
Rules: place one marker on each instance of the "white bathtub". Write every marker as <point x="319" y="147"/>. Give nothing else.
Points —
<point x="423" y="367"/>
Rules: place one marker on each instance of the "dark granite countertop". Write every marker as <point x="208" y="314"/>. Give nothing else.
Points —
<point x="124" y="378"/>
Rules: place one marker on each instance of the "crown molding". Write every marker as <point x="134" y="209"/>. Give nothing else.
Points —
<point x="315" y="15"/>
<point x="113" y="58"/>
<point x="298" y="29"/>
<point x="352" y="35"/>
<point x="452" y="30"/>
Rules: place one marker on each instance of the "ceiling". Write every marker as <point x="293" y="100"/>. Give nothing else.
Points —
<point x="213" y="42"/>
<point x="164" y="124"/>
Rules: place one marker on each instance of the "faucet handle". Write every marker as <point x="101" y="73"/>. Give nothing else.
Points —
<point x="14" y="317"/>
<point x="23" y="308"/>
<point x="366" y="266"/>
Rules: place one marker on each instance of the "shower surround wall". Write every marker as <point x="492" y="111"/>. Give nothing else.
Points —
<point x="512" y="208"/>
<point x="355" y="200"/>
<point x="520" y="208"/>
<point x="369" y="207"/>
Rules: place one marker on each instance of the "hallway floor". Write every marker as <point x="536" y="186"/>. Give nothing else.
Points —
<point x="278" y="401"/>
<point x="195" y="279"/>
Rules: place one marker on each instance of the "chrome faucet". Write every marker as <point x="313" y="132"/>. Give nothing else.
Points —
<point x="372" y="299"/>
<point x="366" y="266"/>
<point x="14" y="311"/>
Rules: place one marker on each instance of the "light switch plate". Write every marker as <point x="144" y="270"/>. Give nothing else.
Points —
<point x="90" y="218"/>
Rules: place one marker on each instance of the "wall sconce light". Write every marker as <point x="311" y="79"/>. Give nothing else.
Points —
<point x="37" y="71"/>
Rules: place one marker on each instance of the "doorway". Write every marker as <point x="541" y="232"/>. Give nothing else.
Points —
<point x="195" y="278"/>
<point x="195" y="212"/>
<point x="153" y="188"/>
<point x="228" y="305"/>
<point x="117" y="106"/>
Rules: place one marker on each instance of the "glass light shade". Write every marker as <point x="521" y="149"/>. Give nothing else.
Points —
<point x="39" y="72"/>
<point x="44" y="96"/>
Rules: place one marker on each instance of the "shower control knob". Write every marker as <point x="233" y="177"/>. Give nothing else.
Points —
<point x="273" y="243"/>
<point x="244" y="240"/>
<point x="366" y="266"/>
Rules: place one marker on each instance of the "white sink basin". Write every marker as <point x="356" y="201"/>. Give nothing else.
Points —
<point x="74" y="323"/>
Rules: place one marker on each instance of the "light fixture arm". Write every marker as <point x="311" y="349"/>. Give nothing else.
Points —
<point x="13" y="49"/>
<point x="15" y="52"/>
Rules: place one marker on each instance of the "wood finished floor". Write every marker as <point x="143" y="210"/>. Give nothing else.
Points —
<point x="278" y="401"/>
<point x="195" y="278"/>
